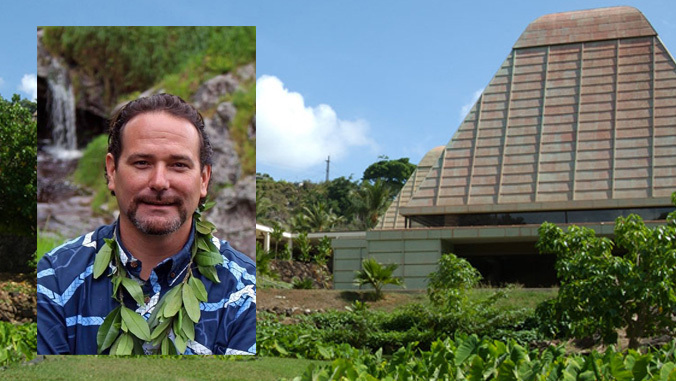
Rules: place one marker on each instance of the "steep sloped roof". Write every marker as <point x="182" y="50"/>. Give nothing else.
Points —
<point x="574" y="118"/>
<point x="392" y="219"/>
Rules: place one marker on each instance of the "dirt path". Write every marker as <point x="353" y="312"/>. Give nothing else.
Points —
<point x="323" y="300"/>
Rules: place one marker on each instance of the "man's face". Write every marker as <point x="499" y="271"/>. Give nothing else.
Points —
<point x="157" y="180"/>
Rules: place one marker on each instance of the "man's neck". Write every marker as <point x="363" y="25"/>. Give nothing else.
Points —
<point x="152" y="249"/>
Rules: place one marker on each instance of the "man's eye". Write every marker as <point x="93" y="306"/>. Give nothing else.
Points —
<point x="141" y="163"/>
<point x="180" y="165"/>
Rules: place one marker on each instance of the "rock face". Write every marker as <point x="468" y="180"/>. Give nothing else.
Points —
<point x="235" y="215"/>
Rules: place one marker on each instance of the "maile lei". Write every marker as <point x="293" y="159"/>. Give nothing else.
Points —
<point x="124" y="331"/>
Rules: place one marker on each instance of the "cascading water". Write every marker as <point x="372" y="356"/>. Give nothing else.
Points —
<point x="62" y="110"/>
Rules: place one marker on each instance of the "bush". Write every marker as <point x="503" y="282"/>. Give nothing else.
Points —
<point x="601" y="291"/>
<point x="302" y="284"/>
<point x="448" y="286"/>
<point x="377" y="275"/>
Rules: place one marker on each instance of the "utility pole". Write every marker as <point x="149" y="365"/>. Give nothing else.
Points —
<point x="328" y="160"/>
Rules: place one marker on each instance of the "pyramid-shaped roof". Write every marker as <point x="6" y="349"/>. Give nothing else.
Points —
<point x="581" y="114"/>
<point x="392" y="219"/>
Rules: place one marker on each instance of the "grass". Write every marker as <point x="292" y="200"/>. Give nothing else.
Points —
<point x="517" y="298"/>
<point x="157" y="368"/>
<point x="46" y="244"/>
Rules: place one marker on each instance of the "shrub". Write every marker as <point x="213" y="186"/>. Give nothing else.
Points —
<point x="602" y="292"/>
<point x="377" y="275"/>
<point x="302" y="284"/>
<point x="448" y="286"/>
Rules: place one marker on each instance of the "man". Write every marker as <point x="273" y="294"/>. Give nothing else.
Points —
<point x="158" y="167"/>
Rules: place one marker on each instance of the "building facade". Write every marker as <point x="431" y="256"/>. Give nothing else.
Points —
<point x="578" y="126"/>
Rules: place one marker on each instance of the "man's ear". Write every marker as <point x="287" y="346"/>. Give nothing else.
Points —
<point x="204" y="180"/>
<point x="110" y="171"/>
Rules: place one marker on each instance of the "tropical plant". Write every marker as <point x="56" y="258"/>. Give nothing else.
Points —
<point x="277" y="234"/>
<point x="304" y="247"/>
<point x="471" y="358"/>
<point x="370" y="202"/>
<point x="302" y="284"/>
<point x="602" y="291"/>
<point x="263" y="262"/>
<point x="17" y="342"/>
<point x="324" y="251"/>
<point x="448" y="286"/>
<point x="377" y="275"/>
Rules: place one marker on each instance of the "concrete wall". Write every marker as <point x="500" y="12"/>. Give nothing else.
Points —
<point x="416" y="254"/>
<point x="417" y="251"/>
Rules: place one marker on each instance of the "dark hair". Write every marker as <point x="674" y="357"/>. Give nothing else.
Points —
<point x="168" y="103"/>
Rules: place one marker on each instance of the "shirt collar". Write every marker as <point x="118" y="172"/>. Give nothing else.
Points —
<point x="174" y="264"/>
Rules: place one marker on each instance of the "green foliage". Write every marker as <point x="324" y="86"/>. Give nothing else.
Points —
<point x="448" y="286"/>
<point x="316" y="217"/>
<point x="377" y="276"/>
<point x="263" y="259"/>
<point x="126" y="59"/>
<point x="324" y="251"/>
<point x="302" y="284"/>
<point x="471" y="358"/>
<point x="393" y="173"/>
<point x="602" y="291"/>
<point x="17" y="342"/>
<point x="245" y="103"/>
<point x="370" y="202"/>
<point x="90" y="173"/>
<point x="18" y="167"/>
<point x="302" y="243"/>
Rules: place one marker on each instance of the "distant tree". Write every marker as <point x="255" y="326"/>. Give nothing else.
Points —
<point x="263" y="208"/>
<point x="277" y="234"/>
<point x="370" y="202"/>
<point x="338" y="193"/>
<point x="319" y="217"/>
<point x="18" y="165"/>
<point x="393" y="173"/>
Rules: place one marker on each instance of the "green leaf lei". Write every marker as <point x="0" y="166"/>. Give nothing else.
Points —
<point x="124" y="331"/>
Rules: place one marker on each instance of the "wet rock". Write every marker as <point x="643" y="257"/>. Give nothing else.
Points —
<point x="226" y="167"/>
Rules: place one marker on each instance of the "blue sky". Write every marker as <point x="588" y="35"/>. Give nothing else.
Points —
<point x="349" y="79"/>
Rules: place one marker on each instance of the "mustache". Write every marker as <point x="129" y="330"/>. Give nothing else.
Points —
<point x="158" y="199"/>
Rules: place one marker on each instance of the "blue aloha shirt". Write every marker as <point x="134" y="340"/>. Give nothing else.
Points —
<point x="72" y="304"/>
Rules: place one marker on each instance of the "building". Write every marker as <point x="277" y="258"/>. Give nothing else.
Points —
<point x="578" y="126"/>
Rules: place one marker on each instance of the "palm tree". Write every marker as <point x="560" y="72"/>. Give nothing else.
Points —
<point x="277" y="234"/>
<point x="377" y="275"/>
<point x="370" y="202"/>
<point x="319" y="217"/>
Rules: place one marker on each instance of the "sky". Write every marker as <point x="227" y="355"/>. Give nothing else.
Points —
<point x="350" y="80"/>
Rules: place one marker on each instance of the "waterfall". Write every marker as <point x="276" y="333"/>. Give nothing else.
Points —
<point x="62" y="109"/>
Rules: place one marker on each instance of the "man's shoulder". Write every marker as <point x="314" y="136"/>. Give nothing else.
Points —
<point x="75" y="252"/>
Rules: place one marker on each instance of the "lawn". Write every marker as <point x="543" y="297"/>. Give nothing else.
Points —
<point x="153" y="368"/>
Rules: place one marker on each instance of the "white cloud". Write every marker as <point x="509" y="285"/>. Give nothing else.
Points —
<point x="2" y="81"/>
<point x="29" y="86"/>
<point x="295" y="136"/>
<point x="468" y="106"/>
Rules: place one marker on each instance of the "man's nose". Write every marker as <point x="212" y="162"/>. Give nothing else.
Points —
<point x="159" y="180"/>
